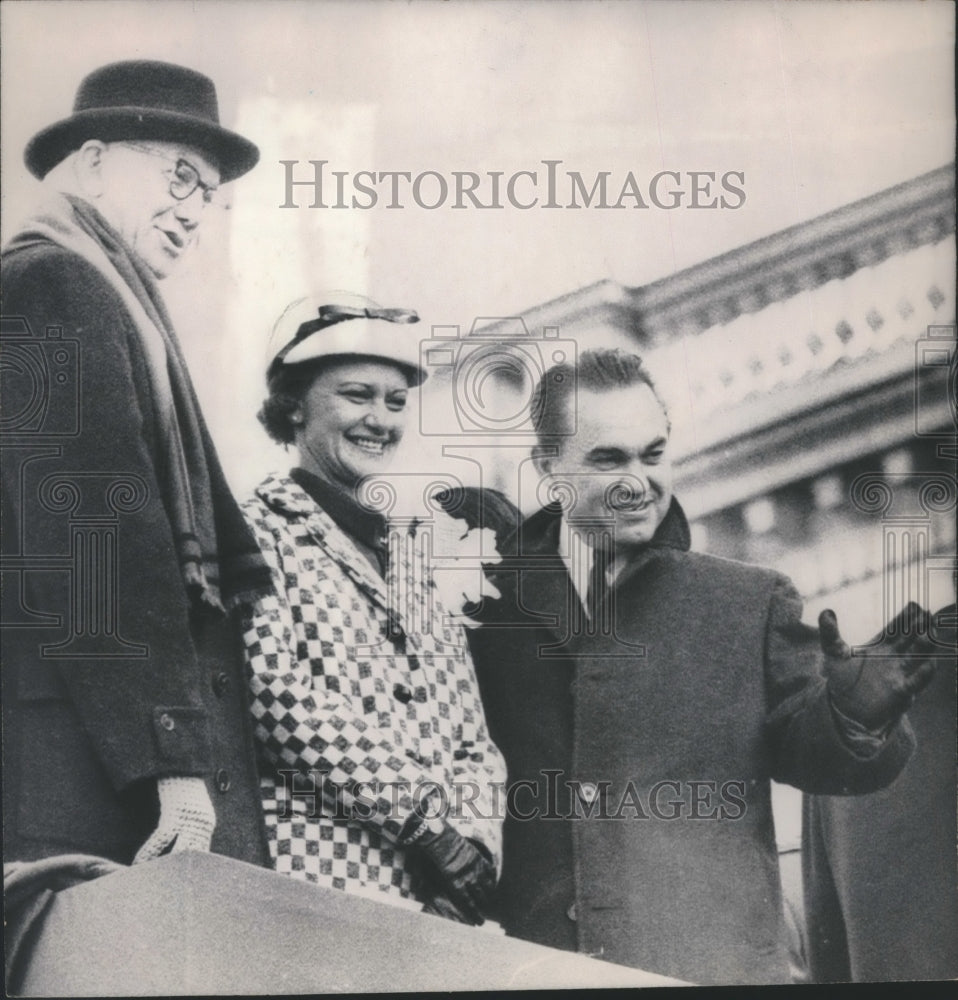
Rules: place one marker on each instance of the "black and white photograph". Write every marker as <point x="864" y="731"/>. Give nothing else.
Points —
<point x="478" y="495"/>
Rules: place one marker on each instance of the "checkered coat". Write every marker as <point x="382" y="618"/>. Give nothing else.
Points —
<point x="364" y="701"/>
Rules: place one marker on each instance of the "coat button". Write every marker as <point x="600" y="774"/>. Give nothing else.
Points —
<point x="166" y="721"/>
<point x="221" y="683"/>
<point x="394" y="627"/>
<point x="222" y="779"/>
<point x="588" y="791"/>
<point x="402" y="693"/>
<point x="570" y="913"/>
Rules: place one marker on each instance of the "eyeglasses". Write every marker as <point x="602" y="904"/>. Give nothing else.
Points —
<point x="184" y="177"/>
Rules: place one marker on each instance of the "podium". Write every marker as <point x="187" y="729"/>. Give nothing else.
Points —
<point x="194" y="923"/>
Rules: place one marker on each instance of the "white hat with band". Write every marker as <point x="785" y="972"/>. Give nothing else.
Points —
<point x="346" y="325"/>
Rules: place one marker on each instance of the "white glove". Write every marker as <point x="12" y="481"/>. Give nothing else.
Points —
<point x="187" y="819"/>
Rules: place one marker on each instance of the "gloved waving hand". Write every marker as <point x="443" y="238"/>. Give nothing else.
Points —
<point x="874" y="685"/>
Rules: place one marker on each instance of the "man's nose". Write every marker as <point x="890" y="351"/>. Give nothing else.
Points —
<point x="638" y="481"/>
<point x="189" y="211"/>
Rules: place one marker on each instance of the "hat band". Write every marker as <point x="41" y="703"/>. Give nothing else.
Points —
<point x="332" y="314"/>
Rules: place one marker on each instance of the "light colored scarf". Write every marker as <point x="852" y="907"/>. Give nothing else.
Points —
<point x="211" y="537"/>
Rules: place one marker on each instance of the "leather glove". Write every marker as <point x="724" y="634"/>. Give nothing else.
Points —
<point x="187" y="819"/>
<point x="875" y="686"/>
<point x="466" y="875"/>
<point x="440" y="905"/>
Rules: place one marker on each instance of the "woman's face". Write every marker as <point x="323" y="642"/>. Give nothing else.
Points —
<point x="350" y="420"/>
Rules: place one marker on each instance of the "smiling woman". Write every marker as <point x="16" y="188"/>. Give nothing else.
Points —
<point x="350" y="420"/>
<point x="365" y="703"/>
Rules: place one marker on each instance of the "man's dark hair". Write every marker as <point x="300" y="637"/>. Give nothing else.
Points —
<point x="597" y="371"/>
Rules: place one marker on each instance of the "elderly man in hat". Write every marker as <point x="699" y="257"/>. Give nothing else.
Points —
<point x="124" y="704"/>
<point x="379" y="777"/>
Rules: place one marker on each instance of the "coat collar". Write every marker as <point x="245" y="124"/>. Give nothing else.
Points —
<point x="285" y="496"/>
<point x="366" y="527"/>
<point x="538" y="535"/>
<point x="534" y="580"/>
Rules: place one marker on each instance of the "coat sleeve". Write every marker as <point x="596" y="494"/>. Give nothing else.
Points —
<point x="479" y="774"/>
<point x="361" y="769"/>
<point x="810" y="750"/>
<point x="139" y="703"/>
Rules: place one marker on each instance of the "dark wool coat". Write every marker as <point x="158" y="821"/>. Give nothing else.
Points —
<point x="146" y="690"/>
<point x="881" y="894"/>
<point x="673" y="725"/>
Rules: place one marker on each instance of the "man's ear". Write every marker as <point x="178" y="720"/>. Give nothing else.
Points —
<point x="88" y="166"/>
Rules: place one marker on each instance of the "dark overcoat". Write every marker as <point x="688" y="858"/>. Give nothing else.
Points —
<point x="671" y="726"/>
<point x="881" y="891"/>
<point x="109" y="682"/>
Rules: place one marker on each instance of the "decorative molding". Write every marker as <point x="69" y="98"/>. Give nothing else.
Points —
<point x="800" y="258"/>
<point x="856" y="421"/>
<point x="746" y="280"/>
<point x="776" y="399"/>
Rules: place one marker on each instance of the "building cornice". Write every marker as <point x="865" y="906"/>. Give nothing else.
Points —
<point x="749" y="278"/>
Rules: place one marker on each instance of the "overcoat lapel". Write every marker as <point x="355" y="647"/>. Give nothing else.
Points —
<point x="545" y="595"/>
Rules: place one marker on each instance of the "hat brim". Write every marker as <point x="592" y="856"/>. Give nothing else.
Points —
<point x="360" y="338"/>
<point x="233" y="154"/>
<point x="415" y="374"/>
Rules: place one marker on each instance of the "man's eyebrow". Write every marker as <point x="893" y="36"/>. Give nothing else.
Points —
<point x="659" y="442"/>
<point x="610" y="450"/>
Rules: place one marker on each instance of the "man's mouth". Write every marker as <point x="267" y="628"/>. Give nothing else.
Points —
<point x="174" y="239"/>
<point x="372" y="446"/>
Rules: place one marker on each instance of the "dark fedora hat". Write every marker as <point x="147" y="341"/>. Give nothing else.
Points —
<point x="142" y="99"/>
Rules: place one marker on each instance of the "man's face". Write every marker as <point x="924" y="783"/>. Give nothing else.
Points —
<point x="136" y="198"/>
<point x="622" y="435"/>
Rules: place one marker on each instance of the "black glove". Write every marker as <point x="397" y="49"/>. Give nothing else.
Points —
<point x="440" y="905"/>
<point x="466" y="875"/>
<point x="877" y="684"/>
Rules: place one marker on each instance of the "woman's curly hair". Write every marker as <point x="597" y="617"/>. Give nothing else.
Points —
<point x="286" y="387"/>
